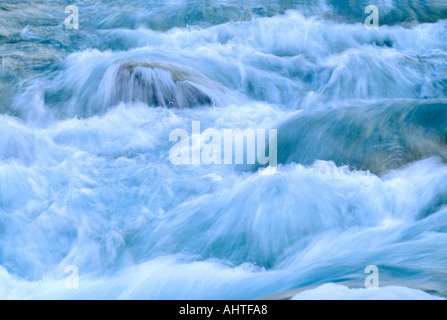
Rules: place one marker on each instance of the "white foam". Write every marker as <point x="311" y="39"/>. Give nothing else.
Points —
<point x="332" y="291"/>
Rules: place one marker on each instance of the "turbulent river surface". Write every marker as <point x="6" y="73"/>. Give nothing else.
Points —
<point x="87" y="186"/>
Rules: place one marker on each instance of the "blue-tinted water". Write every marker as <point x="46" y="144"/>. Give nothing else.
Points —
<point x="85" y="174"/>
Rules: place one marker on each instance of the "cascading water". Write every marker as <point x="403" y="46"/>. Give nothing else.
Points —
<point x="86" y="178"/>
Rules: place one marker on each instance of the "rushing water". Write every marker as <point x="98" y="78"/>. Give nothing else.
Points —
<point x="86" y="178"/>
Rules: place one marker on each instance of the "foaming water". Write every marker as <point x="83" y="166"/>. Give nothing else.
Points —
<point x="86" y="179"/>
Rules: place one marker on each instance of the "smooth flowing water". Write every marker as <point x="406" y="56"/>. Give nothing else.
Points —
<point x="86" y="180"/>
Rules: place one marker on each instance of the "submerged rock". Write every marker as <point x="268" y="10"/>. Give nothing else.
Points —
<point x="376" y="138"/>
<point x="156" y="84"/>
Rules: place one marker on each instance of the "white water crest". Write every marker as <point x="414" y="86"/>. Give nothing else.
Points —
<point x="86" y="178"/>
